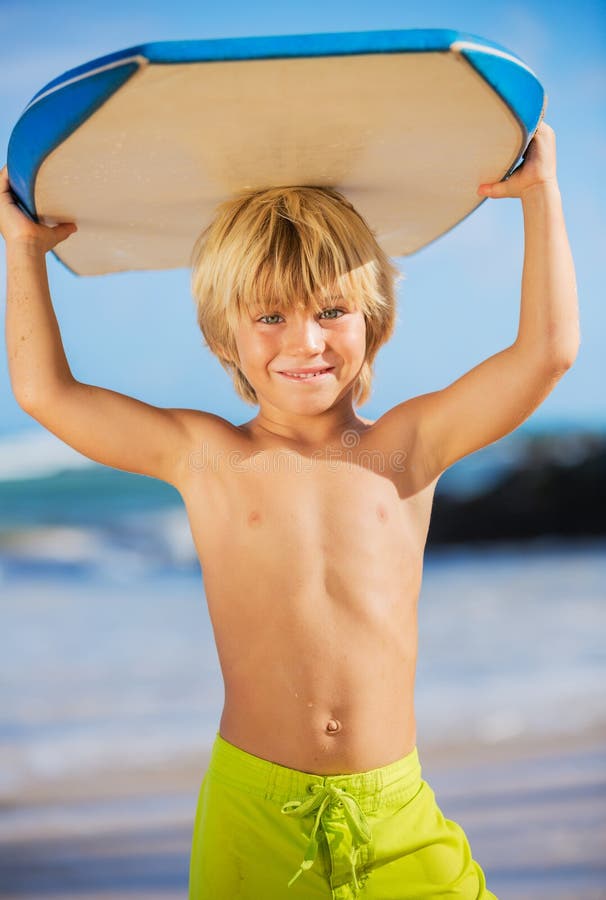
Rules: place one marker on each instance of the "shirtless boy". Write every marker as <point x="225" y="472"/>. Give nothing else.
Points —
<point x="310" y="522"/>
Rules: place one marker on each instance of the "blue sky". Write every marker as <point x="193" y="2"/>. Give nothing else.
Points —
<point x="136" y="332"/>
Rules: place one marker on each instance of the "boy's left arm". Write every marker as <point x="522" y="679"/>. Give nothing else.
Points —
<point x="500" y="393"/>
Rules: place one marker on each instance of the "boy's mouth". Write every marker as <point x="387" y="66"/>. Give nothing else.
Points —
<point x="307" y="375"/>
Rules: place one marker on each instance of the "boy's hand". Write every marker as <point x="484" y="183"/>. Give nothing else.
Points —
<point x="538" y="168"/>
<point x="15" y="225"/>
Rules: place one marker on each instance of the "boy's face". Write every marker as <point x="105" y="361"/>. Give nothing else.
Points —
<point x="272" y="344"/>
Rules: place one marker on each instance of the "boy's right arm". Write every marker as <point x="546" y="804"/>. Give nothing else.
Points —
<point x="108" y="427"/>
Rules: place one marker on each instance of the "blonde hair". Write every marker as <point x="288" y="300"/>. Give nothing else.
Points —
<point x="284" y="247"/>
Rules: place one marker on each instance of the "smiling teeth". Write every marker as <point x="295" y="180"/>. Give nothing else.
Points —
<point x="299" y="375"/>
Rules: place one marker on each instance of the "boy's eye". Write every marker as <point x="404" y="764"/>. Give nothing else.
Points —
<point x="269" y="316"/>
<point x="277" y="315"/>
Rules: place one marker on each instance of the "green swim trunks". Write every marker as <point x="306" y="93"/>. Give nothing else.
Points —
<point x="267" y="832"/>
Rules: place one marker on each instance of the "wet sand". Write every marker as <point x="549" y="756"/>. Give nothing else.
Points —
<point x="534" y="812"/>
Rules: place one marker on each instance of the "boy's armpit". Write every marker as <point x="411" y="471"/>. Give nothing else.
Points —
<point x="397" y="431"/>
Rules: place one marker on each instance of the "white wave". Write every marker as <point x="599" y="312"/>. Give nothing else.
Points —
<point x="35" y="454"/>
<point x="171" y="527"/>
<point x="56" y="543"/>
<point x="141" y="543"/>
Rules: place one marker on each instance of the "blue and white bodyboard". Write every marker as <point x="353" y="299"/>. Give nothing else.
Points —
<point x="138" y="147"/>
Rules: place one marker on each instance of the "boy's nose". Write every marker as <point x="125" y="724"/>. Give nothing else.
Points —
<point x="305" y="334"/>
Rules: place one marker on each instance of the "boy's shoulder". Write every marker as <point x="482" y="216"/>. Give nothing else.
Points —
<point x="202" y="426"/>
<point x="205" y="434"/>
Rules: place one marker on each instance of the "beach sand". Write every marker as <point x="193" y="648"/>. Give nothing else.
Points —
<point x="534" y="812"/>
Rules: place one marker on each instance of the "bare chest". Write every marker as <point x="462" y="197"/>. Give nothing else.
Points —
<point x="313" y="522"/>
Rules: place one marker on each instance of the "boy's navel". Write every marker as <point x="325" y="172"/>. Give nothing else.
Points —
<point x="254" y="517"/>
<point x="333" y="725"/>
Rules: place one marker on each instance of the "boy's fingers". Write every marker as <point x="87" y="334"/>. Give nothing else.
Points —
<point x="66" y="228"/>
<point x="487" y="190"/>
<point x="493" y="190"/>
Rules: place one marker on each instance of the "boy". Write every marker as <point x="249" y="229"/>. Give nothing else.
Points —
<point x="310" y="523"/>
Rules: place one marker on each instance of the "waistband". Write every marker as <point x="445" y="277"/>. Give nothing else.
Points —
<point x="395" y="782"/>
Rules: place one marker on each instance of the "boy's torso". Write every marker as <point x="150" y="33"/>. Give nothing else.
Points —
<point x="312" y="564"/>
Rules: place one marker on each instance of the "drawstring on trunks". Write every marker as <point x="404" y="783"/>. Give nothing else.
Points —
<point x="325" y="797"/>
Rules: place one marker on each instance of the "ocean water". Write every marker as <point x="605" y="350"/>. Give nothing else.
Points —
<point x="107" y="652"/>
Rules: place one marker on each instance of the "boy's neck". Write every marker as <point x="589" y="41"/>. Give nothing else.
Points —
<point x="321" y="429"/>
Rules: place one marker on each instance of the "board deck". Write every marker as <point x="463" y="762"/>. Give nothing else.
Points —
<point x="138" y="147"/>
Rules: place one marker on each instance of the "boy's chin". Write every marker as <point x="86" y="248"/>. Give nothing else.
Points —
<point x="319" y="402"/>
<point x="294" y="397"/>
